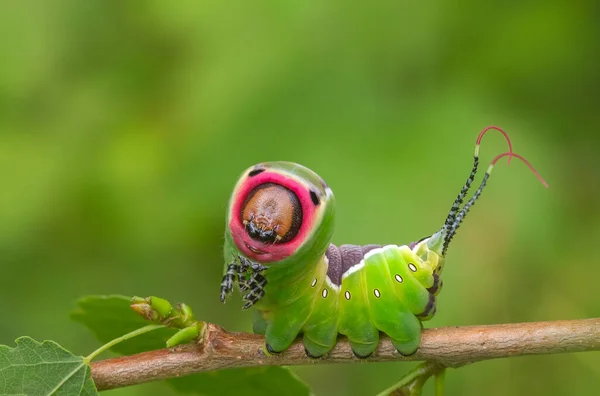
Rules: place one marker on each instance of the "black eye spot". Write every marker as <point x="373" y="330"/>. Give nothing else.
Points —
<point x="255" y="172"/>
<point x="314" y="198"/>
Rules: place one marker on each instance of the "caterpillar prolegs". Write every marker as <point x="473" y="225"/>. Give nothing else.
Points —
<point x="278" y="251"/>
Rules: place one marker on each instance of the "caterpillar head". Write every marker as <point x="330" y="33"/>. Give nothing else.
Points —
<point x="277" y="210"/>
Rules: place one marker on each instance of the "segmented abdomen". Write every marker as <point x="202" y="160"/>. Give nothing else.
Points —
<point x="364" y="290"/>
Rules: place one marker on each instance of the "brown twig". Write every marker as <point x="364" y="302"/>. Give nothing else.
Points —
<point x="450" y="346"/>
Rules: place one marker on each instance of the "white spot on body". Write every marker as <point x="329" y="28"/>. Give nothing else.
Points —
<point x="324" y="294"/>
<point x="376" y="292"/>
<point x="314" y="282"/>
<point x="398" y="278"/>
<point x="412" y="267"/>
<point x="347" y="295"/>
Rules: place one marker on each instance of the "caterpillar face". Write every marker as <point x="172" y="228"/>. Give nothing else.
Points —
<point x="272" y="213"/>
<point x="275" y="209"/>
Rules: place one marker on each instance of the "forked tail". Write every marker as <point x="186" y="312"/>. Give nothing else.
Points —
<point x="441" y="240"/>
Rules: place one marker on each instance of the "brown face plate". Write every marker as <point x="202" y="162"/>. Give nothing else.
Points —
<point x="271" y="213"/>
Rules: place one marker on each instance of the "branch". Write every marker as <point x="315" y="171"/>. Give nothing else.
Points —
<point x="449" y="346"/>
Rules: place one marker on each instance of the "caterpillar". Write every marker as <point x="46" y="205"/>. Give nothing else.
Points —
<point x="277" y="250"/>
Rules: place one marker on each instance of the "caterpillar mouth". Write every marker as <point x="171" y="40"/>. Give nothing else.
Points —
<point x="254" y="250"/>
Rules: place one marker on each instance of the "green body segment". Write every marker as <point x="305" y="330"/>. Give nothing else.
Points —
<point x="355" y="317"/>
<point x="386" y="292"/>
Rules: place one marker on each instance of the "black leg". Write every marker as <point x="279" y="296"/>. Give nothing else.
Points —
<point x="248" y="276"/>
<point x="227" y="281"/>
<point x="253" y="297"/>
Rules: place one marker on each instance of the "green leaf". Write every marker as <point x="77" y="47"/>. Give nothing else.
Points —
<point x="110" y="317"/>
<point x="255" y="381"/>
<point x="33" y="368"/>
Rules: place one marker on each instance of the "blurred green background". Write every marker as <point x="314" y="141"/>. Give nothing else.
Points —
<point x="124" y="126"/>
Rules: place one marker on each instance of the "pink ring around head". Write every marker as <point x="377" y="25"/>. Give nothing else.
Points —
<point x="259" y="251"/>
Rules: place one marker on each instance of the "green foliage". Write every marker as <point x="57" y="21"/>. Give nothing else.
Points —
<point x="256" y="381"/>
<point x="34" y="368"/>
<point x="109" y="317"/>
